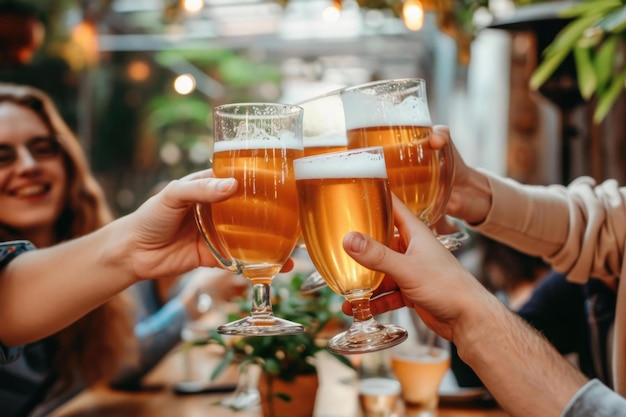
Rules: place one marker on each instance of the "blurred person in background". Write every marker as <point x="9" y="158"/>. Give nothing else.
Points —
<point x="510" y="274"/>
<point x="48" y="195"/>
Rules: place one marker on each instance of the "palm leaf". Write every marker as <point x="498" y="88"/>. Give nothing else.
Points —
<point x="570" y="34"/>
<point x="547" y="68"/>
<point x="603" y="62"/>
<point x="585" y="72"/>
<point x="607" y="100"/>
<point x="590" y="6"/>
<point x="615" y="22"/>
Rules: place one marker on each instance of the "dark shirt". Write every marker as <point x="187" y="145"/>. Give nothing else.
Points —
<point x="26" y="373"/>
<point x="575" y="318"/>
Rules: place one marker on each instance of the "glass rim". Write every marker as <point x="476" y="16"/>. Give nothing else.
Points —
<point x="335" y="92"/>
<point x="420" y="81"/>
<point x="289" y="109"/>
<point x="326" y="155"/>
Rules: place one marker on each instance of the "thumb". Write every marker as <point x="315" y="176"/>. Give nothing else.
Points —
<point x="371" y="254"/>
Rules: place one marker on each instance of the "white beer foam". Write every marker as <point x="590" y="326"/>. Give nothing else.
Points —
<point x="348" y="164"/>
<point x="325" y="141"/>
<point x="423" y="354"/>
<point x="367" y="110"/>
<point x="287" y="141"/>
<point x="323" y="115"/>
<point x="379" y="386"/>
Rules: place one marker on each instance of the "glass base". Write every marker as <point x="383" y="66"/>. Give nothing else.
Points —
<point x="362" y="340"/>
<point x="453" y="241"/>
<point x="312" y="283"/>
<point x="266" y="326"/>
<point x="242" y="400"/>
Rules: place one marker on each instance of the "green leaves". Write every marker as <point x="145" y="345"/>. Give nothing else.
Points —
<point x="587" y="79"/>
<point x="594" y="37"/>
<point x="283" y="357"/>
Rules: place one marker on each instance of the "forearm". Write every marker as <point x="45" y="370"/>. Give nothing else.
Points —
<point x="532" y="219"/>
<point x="523" y="372"/>
<point x="44" y="290"/>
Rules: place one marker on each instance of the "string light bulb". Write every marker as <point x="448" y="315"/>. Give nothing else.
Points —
<point x="332" y="12"/>
<point x="193" y="6"/>
<point x="413" y="14"/>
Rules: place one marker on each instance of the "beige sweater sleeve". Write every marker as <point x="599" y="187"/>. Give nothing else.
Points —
<point x="580" y="229"/>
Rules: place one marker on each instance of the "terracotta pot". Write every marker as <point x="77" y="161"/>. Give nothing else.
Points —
<point x="302" y="391"/>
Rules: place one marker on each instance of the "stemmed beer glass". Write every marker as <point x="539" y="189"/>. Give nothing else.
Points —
<point x="323" y="131"/>
<point x="394" y="114"/>
<point x="254" y="232"/>
<point x="339" y="192"/>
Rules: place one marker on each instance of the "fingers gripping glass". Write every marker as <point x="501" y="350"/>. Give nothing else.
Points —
<point x="40" y="148"/>
<point x="254" y="232"/>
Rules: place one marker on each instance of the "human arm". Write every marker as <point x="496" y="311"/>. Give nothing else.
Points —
<point x="579" y="229"/>
<point x="513" y="360"/>
<point x="42" y="291"/>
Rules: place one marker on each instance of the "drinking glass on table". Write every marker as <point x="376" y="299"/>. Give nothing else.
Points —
<point x="394" y="114"/>
<point x="254" y="232"/>
<point x="323" y="131"/>
<point x="340" y="192"/>
<point x="420" y="365"/>
<point x="379" y="389"/>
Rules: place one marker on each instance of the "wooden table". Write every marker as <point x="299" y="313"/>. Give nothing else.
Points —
<point x="336" y="397"/>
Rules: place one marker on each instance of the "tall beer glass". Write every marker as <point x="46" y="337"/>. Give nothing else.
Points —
<point x="394" y="114"/>
<point x="254" y="232"/>
<point x="340" y="192"/>
<point x="324" y="130"/>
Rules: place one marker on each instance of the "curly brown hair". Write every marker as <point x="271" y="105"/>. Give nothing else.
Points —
<point x="98" y="343"/>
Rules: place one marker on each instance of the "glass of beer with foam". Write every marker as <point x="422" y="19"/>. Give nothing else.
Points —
<point x="324" y="131"/>
<point x="394" y="114"/>
<point x="339" y="192"/>
<point x="254" y="232"/>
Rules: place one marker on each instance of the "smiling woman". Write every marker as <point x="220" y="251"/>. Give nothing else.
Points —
<point x="48" y="195"/>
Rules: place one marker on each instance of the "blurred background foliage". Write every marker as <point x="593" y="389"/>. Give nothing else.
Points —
<point x="139" y="132"/>
<point x="595" y="37"/>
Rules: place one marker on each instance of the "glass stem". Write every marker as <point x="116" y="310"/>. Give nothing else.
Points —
<point x="361" y="310"/>
<point x="261" y="301"/>
<point x="243" y="382"/>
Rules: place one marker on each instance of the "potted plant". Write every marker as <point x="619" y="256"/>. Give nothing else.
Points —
<point x="287" y="363"/>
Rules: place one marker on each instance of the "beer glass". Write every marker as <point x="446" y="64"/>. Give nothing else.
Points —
<point x="339" y="192"/>
<point x="254" y="232"/>
<point x="323" y="131"/>
<point x="394" y="114"/>
<point x="420" y="365"/>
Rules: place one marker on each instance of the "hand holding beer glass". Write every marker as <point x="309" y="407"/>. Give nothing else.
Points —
<point x="254" y="232"/>
<point x="394" y="114"/>
<point x="340" y="192"/>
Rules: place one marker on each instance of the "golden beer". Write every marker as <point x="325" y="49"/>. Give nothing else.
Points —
<point x="420" y="374"/>
<point x="317" y="146"/>
<point x="413" y="166"/>
<point x="259" y="225"/>
<point x="337" y="196"/>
